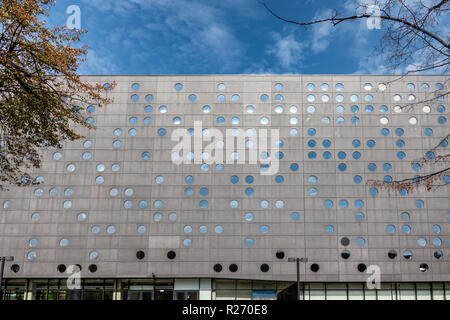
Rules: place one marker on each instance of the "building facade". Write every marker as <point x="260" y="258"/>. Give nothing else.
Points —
<point x="202" y="187"/>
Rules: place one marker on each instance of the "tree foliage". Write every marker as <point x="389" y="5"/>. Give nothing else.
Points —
<point x="41" y="95"/>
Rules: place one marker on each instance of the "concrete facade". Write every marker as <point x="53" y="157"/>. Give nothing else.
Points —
<point x="61" y="237"/>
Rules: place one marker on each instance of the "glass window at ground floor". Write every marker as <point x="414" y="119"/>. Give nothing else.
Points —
<point x="220" y="289"/>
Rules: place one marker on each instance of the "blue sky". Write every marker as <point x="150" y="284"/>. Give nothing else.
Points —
<point x="219" y="37"/>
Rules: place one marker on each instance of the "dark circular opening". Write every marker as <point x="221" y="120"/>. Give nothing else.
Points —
<point x="217" y="267"/>
<point x="92" y="268"/>
<point x="345" y="254"/>
<point x="140" y="255"/>
<point x="264" y="267"/>
<point x="279" y="254"/>
<point x="423" y="267"/>
<point x="392" y="254"/>
<point x="15" y="268"/>
<point x="233" y="267"/>
<point x="62" y="268"/>
<point x="438" y="254"/>
<point x="314" y="267"/>
<point x="171" y="255"/>
<point x="362" y="267"/>
<point x="345" y="241"/>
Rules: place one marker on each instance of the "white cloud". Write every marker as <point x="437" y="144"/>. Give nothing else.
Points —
<point x="287" y="50"/>
<point x="194" y="28"/>
<point x="96" y="64"/>
<point x="322" y="33"/>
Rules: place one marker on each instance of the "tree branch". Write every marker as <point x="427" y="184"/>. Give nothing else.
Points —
<point x="336" y="20"/>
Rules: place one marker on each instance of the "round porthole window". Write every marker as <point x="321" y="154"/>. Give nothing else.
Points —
<point x="171" y="255"/>
<point x="423" y="267"/>
<point x="280" y="254"/>
<point x="345" y="241"/>
<point x="140" y="255"/>
<point x="61" y="268"/>
<point x="407" y="254"/>
<point x="314" y="267"/>
<point x="345" y="254"/>
<point x="392" y="254"/>
<point x="264" y="267"/>
<point x="217" y="267"/>
<point x="233" y="267"/>
<point x="15" y="268"/>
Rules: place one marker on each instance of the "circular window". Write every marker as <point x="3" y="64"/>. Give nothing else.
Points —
<point x="110" y="229"/>
<point x="390" y="228"/>
<point x="405" y="216"/>
<point x="249" y="242"/>
<point x="31" y="255"/>
<point x="359" y="216"/>
<point x="339" y="98"/>
<point x="57" y="156"/>
<point x="249" y="216"/>
<point x="187" y="242"/>
<point x="142" y="229"/>
<point x="329" y="229"/>
<point x="233" y="267"/>
<point x="33" y="243"/>
<point x="422" y="242"/>
<point x="264" y="229"/>
<point x="264" y="267"/>
<point x="314" y="267"/>
<point x="345" y="254"/>
<point x="280" y="254"/>
<point x="360" y="242"/>
<point x="361" y="267"/>
<point x="92" y="268"/>
<point x="67" y="204"/>
<point x="81" y="216"/>
<point x="217" y="267"/>
<point x="61" y="268"/>
<point x="423" y="267"/>
<point x="93" y="255"/>
<point x="235" y="98"/>
<point x="413" y="120"/>
<point x="15" y="268"/>
<point x="310" y="86"/>
<point x="345" y="241"/>
<point x="171" y="255"/>
<point x="328" y="204"/>
<point x="99" y="180"/>
<point x="407" y="254"/>
<point x="218" y="229"/>
<point x="392" y="254"/>
<point x="172" y="217"/>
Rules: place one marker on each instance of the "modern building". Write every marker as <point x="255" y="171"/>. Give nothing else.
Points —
<point x="141" y="225"/>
